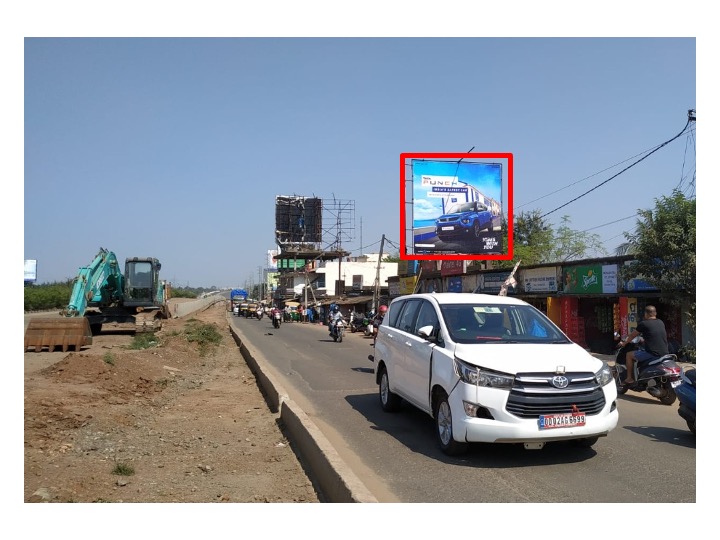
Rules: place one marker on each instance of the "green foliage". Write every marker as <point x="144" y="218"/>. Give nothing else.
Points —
<point x="185" y="292"/>
<point x="123" y="469"/>
<point x="205" y="335"/>
<point x="109" y="358"/>
<point x="47" y="296"/>
<point x="572" y="245"/>
<point x="532" y="240"/>
<point x="664" y="247"/>
<point x="146" y="340"/>
<point x="535" y="241"/>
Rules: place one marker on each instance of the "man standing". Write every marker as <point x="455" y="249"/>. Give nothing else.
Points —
<point x="653" y="333"/>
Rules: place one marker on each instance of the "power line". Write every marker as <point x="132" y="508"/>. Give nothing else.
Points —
<point x="690" y="119"/>
<point x="610" y="223"/>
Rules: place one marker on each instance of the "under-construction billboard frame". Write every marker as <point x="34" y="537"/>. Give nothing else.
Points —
<point x="298" y="220"/>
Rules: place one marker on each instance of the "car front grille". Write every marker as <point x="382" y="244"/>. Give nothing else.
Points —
<point x="533" y="395"/>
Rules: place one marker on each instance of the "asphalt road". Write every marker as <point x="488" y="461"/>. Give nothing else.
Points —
<point x="649" y="458"/>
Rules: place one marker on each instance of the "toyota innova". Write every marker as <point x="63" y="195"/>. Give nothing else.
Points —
<point x="491" y="369"/>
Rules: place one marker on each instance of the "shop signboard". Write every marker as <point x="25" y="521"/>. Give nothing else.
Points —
<point x="452" y="268"/>
<point x="590" y="279"/>
<point x="639" y="285"/>
<point x="407" y="285"/>
<point x="539" y="280"/>
<point x="455" y="284"/>
<point x="491" y="282"/>
<point x="429" y="266"/>
<point x="394" y="288"/>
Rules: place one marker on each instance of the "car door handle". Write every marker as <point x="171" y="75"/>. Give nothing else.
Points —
<point x="408" y="344"/>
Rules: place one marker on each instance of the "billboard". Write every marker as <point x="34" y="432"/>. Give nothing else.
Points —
<point x="31" y="270"/>
<point x="452" y="206"/>
<point x="298" y="220"/>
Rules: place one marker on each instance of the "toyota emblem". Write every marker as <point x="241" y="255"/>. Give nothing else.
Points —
<point x="560" y="381"/>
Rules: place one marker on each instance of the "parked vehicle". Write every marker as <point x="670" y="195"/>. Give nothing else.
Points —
<point x="686" y="396"/>
<point x="102" y="294"/>
<point x="358" y="322"/>
<point x="491" y="369"/>
<point x="659" y="377"/>
<point x="465" y="220"/>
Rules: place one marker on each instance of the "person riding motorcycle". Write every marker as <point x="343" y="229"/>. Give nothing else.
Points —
<point x="654" y="336"/>
<point x="377" y="321"/>
<point x="335" y="316"/>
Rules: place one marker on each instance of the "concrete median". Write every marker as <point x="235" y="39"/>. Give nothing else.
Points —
<point x="335" y="480"/>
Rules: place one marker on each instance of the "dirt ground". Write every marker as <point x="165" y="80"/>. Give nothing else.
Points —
<point x="164" y="424"/>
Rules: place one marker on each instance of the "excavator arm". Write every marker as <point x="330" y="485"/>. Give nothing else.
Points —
<point x="98" y="285"/>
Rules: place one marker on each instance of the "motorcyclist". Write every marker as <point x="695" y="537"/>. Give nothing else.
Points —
<point x="335" y="316"/>
<point x="654" y="336"/>
<point x="377" y="321"/>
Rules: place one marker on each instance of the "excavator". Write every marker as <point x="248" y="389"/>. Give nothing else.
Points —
<point x="102" y="295"/>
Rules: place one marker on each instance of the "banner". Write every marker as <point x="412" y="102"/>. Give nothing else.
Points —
<point x="539" y="280"/>
<point x="590" y="279"/>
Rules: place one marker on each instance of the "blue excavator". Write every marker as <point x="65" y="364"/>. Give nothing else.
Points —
<point x="104" y="297"/>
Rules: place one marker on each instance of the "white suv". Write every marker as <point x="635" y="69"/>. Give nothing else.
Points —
<point x="491" y="369"/>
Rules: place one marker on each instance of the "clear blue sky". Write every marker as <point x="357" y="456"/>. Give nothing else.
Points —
<point x="176" y="148"/>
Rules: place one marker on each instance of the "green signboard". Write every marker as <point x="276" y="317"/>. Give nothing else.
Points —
<point x="590" y="279"/>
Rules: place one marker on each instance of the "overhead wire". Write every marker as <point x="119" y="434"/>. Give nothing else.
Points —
<point x="622" y="171"/>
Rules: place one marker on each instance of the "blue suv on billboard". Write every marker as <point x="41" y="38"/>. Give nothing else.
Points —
<point x="465" y="220"/>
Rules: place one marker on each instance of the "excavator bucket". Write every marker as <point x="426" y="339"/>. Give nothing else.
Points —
<point x="57" y="333"/>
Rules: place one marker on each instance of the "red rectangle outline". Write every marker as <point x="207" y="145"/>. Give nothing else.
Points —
<point x="452" y="155"/>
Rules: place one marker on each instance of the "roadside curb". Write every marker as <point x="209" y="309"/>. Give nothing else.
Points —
<point x="336" y="481"/>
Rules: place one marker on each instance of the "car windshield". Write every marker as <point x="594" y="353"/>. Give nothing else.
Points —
<point x="458" y="208"/>
<point x="499" y="323"/>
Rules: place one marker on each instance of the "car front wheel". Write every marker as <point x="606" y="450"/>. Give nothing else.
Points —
<point x="444" y="429"/>
<point x="389" y="401"/>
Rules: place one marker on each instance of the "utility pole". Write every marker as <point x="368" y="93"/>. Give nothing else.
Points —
<point x="376" y="293"/>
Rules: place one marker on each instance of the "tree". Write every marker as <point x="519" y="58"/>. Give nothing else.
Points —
<point x="664" y="248"/>
<point x="532" y="239"/>
<point x="570" y="245"/>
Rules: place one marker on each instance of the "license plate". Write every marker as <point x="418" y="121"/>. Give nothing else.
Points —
<point x="448" y="228"/>
<point x="551" y="421"/>
<point x="675" y="384"/>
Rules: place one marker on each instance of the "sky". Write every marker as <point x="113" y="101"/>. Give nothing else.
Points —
<point x="176" y="148"/>
<point x="169" y="133"/>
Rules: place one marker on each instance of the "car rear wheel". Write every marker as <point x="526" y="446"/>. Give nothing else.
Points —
<point x="443" y="427"/>
<point x="389" y="401"/>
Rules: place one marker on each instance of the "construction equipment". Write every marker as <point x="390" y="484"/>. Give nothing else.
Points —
<point x="135" y="301"/>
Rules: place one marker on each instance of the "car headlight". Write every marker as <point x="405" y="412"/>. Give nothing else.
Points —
<point x="604" y="376"/>
<point x="465" y="221"/>
<point x="481" y="377"/>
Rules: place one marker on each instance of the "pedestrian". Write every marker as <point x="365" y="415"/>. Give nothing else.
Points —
<point x="310" y="314"/>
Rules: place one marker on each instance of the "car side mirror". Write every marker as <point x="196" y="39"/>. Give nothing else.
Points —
<point x="426" y="332"/>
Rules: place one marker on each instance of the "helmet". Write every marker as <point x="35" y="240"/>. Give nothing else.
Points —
<point x="383" y="309"/>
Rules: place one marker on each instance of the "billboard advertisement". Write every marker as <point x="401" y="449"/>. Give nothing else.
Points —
<point x="31" y="270"/>
<point x="452" y="206"/>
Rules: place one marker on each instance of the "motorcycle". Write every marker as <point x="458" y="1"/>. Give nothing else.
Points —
<point x="337" y="330"/>
<point x="369" y="327"/>
<point x="276" y="319"/>
<point x="358" y="322"/>
<point x="686" y="396"/>
<point x="659" y="377"/>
